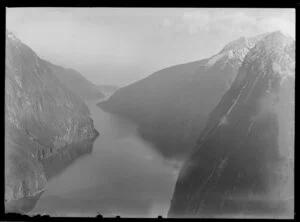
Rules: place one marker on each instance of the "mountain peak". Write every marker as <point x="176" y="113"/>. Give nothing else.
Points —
<point x="274" y="54"/>
<point x="278" y="38"/>
<point x="235" y="43"/>
<point x="247" y="140"/>
<point x="279" y="33"/>
<point x="243" y="42"/>
<point x="236" y="49"/>
<point x="274" y="42"/>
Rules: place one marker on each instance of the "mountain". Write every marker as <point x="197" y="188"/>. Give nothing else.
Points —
<point x="46" y="126"/>
<point x="243" y="164"/>
<point x="172" y="105"/>
<point x="76" y="82"/>
<point x="107" y="90"/>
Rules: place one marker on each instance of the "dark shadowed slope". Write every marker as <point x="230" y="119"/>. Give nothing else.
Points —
<point x="172" y="104"/>
<point x="46" y="125"/>
<point x="74" y="81"/>
<point x="244" y="161"/>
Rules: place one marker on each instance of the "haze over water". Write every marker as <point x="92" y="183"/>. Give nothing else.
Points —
<point x="123" y="176"/>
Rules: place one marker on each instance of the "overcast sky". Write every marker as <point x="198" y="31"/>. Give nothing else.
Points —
<point x="122" y="45"/>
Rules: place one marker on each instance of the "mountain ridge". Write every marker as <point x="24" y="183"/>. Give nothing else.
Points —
<point x="77" y="83"/>
<point x="71" y="78"/>
<point x="243" y="163"/>
<point x="46" y="126"/>
<point x="172" y="105"/>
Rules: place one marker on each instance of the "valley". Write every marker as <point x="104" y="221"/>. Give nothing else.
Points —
<point x="211" y="138"/>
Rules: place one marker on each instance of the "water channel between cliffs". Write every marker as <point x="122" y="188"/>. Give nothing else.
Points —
<point x="123" y="175"/>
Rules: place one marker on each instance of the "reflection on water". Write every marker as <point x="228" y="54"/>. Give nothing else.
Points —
<point x="122" y="176"/>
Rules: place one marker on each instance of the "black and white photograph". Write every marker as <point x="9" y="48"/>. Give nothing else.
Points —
<point x="143" y="112"/>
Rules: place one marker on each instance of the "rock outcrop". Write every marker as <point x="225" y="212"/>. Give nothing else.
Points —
<point x="243" y="164"/>
<point x="46" y="125"/>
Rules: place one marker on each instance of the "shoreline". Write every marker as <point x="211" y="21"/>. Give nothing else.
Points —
<point x="23" y="205"/>
<point x="53" y="166"/>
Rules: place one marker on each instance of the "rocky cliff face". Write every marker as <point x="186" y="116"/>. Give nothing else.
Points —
<point x="42" y="118"/>
<point x="243" y="164"/>
<point x="172" y="105"/>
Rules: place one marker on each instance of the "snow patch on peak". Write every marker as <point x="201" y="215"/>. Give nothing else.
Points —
<point x="236" y="49"/>
<point x="276" y="46"/>
<point x="243" y="43"/>
<point x="231" y="45"/>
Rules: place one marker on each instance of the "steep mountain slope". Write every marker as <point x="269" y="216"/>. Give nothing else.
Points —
<point x="46" y="125"/>
<point x="244" y="161"/>
<point x="172" y="104"/>
<point x="74" y="81"/>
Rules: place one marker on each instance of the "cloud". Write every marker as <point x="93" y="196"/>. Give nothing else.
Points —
<point x="197" y="20"/>
<point x="116" y="37"/>
<point x="212" y="20"/>
<point x="279" y="23"/>
<point x="238" y="21"/>
<point x="167" y="23"/>
<point x="68" y="35"/>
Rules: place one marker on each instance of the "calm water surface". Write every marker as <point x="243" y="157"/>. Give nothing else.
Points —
<point x="122" y="176"/>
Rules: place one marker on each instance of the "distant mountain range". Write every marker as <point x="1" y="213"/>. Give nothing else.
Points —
<point x="173" y="104"/>
<point x="76" y="82"/>
<point x="107" y="90"/>
<point x="243" y="163"/>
